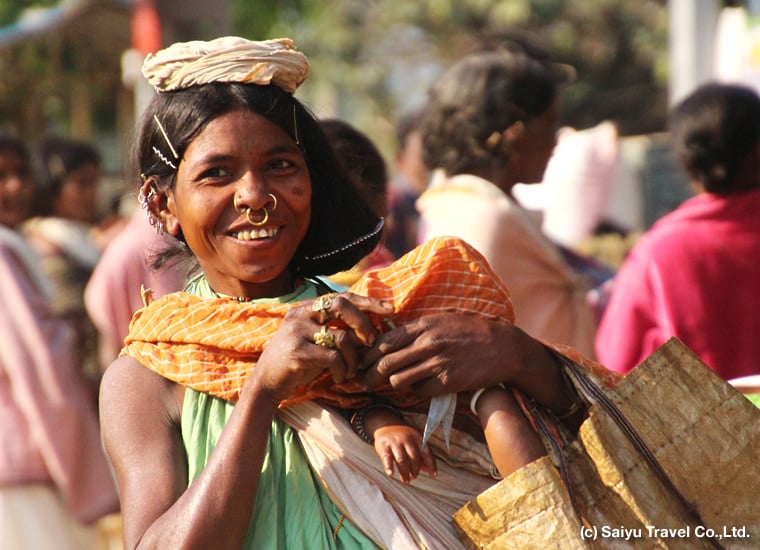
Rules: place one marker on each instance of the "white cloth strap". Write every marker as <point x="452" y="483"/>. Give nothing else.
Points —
<point x="394" y="515"/>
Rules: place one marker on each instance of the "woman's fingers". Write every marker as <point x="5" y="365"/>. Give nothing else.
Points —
<point x="352" y="310"/>
<point x="340" y="352"/>
<point x="345" y="327"/>
<point x="435" y="354"/>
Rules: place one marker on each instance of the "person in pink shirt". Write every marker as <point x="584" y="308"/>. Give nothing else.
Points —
<point x="694" y="274"/>
<point x="113" y="292"/>
<point x="54" y="478"/>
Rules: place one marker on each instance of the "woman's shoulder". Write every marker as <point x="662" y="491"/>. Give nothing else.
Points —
<point x="127" y="385"/>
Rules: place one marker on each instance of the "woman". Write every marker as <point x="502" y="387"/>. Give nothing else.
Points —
<point x="52" y="469"/>
<point x="490" y="123"/>
<point x="692" y="275"/>
<point x="237" y="172"/>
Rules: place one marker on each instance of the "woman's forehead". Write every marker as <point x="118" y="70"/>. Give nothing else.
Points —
<point x="240" y="129"/>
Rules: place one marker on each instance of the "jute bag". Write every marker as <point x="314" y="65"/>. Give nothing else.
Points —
<point x="668" y="458"/>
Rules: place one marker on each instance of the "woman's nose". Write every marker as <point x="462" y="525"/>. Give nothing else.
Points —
<point x="251" y="193"/>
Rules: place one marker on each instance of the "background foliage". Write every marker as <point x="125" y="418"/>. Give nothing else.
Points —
<point x="371" y="59"/>
<point x="379" y="56"/>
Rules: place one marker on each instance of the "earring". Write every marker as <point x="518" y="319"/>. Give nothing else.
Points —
<point x="145" y="198"/>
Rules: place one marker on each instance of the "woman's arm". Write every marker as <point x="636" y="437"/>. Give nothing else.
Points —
<point x="140" y="416"/>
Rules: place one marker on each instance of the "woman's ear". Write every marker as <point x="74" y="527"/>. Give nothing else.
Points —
<point x="160" y="207"/>
<point x="166" y="212"/>
<point x="513" y="135"/>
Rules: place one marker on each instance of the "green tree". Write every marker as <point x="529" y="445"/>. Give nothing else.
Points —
<point x="372" y="59"/>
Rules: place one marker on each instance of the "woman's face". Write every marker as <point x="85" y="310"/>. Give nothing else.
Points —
<point x="77" y="198"/>
<point x="16" y="189"/>
<point x="242" y="157"/>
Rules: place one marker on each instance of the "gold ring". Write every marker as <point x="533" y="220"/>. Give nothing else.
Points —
<point x="322" y="305"/>
<point x="259" y="223"/>
<point x="325" y="338"/>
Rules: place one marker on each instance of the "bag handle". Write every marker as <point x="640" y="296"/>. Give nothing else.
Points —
<point x="594" y="394"/>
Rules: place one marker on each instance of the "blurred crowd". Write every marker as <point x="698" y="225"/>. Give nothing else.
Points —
<point x="74" y="273"/>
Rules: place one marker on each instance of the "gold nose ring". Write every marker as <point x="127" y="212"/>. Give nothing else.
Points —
<point x="247" y="211"/>
<point x="274" y="202"/>
<point x="259" y="223"/>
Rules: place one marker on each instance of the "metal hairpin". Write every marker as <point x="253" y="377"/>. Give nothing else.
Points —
<point x="166" y="137"/>
<point x="295" y="127"/>
<point x="163" y="158"/>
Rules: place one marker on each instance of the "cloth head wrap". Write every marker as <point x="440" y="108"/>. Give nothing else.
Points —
<point x="227" y="59"/>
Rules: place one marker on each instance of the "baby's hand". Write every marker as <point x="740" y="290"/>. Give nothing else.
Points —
<point x="401" y="444"/>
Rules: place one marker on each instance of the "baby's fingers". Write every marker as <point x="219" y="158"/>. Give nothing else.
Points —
<point x="428" y="462"/>
<point x="386" y="457"/>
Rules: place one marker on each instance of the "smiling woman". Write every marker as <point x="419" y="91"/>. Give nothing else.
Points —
<point x="245" y="184"/>
<point x="240" y="177"/>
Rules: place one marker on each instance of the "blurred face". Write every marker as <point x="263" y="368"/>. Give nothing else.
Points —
<point x="536" y="146"/>
<point x="77" y="199"/>
<point x="242" y="157"/>
<point x="16" y="189"/>
<point x="410" y="162"/>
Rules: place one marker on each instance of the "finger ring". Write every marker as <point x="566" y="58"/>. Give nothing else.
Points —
<point x="325" y="338"/>
<point x="322" y="305"/>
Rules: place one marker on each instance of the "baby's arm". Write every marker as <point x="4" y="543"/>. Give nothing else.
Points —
<point x="395" y="441"/>
<point x="510" y="437"/>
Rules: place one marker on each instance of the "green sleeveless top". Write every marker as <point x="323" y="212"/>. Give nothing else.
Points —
<point x="292" y="509"/>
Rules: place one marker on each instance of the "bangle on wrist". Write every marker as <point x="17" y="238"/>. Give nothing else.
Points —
<point x="573" y="409"/>
<point x="476" y="396"/>
<point x="358" y="418"/>
<point x="575" y="406"/>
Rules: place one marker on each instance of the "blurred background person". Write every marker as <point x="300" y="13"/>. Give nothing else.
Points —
<point x="490" y="123"/>
<point x="693" y="275"/>
<point x="64" y="231"/>
<point x="54" y="478"/>
<point x="367" y="170"/>
<point x="129" y="263"/>
<point x="409" y="181"/>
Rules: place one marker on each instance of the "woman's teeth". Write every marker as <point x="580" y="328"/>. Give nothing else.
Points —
<point x="253" y="234"/>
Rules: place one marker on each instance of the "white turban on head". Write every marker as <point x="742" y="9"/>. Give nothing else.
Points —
<point x="227" y="59"/>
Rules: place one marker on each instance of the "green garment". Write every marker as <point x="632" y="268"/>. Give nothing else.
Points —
<point x="755" y="398"/>
<point x="292" y="509"/>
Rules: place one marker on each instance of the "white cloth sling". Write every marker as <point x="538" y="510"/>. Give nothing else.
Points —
<point x="394" y="515"/>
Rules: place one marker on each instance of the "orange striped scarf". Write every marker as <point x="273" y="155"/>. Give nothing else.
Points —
<point x="212" y="345"/>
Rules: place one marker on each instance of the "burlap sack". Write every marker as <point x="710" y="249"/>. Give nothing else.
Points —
<point x="703" y="436"/>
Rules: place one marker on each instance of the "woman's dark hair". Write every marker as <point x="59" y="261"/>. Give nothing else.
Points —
<point x="342" y="230"/>
<point x="713" y="131"/>
<point x="56" y="158"/>
<point x="485" y="92"/>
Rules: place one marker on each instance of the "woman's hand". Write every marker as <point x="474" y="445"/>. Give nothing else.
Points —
<point x="449" y="353"/>
<point x="323" y="334"/>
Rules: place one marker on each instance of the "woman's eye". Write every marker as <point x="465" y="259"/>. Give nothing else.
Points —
<point x="281" y="164"/>
<point x="216" y="172"/>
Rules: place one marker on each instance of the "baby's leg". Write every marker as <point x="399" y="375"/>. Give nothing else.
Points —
<point x="510" y="437"/>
